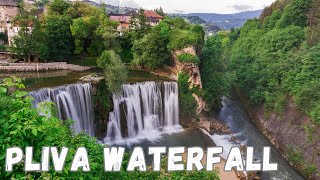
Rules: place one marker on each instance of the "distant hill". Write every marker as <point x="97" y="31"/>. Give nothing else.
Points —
<point x="119" y="10"/>
<point x="226" y="21"/>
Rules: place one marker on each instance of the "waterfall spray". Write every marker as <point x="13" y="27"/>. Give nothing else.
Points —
<point x="73" y="102"/>
<point x="143" y="108"/>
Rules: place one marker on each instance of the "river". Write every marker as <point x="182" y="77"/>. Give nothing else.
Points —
<point x="235" y="116"/>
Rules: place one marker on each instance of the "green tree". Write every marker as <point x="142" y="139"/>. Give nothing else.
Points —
<point x="29" y="40"/>
<point x="187" y="103"/>
<point x="295" y="14"/>
<point x="114" y="70"/>
<point x="159" y="11"/>
<point x="107" y="30"/>
<point x="83" y="30"/>
<point x="216" y="81"/>
<point x="151" y="51"/>
<point x="58" y="7"/>
<point x="139" y="24"/>
<point x="59" y="40"/>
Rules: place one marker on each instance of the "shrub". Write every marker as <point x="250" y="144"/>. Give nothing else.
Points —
<point x="114" y="70"/>
<point x="187" y="102"/>
<point x="188" y="58"/>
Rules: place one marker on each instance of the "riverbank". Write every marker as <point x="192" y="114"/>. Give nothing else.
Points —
<point x="224" y="175"/>
<point x="35" y="67"/>
<point x="288" y="134"/>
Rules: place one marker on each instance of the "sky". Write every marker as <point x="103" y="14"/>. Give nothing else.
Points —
<point x="195" y="6"/>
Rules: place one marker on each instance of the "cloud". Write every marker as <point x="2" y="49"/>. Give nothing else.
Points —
<point x="122" y="3"/>
<point x="129" y="3"/>
<point x="242" y="7"/>
<point x="178" y="11"/>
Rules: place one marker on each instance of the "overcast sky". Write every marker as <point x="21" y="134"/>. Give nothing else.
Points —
<point x="191" y="6"/>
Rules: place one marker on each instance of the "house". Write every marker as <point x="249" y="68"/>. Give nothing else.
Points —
<point x="8" y="10"/>
<point x="153" y="18"/>
<point x="124" y="21"/>
<point x="13" y="30"/>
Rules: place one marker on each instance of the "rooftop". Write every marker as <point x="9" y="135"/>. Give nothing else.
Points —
<point x="149" y="13"/>
<point x="122" y="19"/>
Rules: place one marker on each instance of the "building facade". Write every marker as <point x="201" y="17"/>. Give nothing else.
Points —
<point x="8" y="10"/>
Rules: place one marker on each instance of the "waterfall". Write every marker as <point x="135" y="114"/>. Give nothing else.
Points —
<point x="73" y="102"/>
<point x="143" y="109"/>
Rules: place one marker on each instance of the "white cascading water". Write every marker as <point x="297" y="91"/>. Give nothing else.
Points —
<point x="73" y="102"/>
<point x="144" y="109"/>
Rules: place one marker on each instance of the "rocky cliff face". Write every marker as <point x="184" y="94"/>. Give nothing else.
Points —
<point x="191" y="68"/>
<point x="288" y="131"/>
<point x="194" y="72"/>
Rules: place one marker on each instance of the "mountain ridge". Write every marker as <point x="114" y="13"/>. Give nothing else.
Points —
<point x="226" y="21"/>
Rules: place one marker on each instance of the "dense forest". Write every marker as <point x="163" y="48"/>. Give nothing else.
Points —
<point x="276" y="57"/>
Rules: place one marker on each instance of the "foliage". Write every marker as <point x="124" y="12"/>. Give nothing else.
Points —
<point x="295" y="14"/>
<point x="151" y="51"/>
<point x="114" y="70"/>
<point x="188" y="58"/>
<point x="140" y="25"/>
<point x="58" y="7"/>
<point x="82" y="30"/>
<point x="187" y="102"/>
<point x="296" y="157"/>
<point x="314" y="23"/>
<point x="274" y="58"/>
<point x="3" y="47"/>
<point x="107" y="30"/>
<point x="180" y="38"/>
<point x="159" y="11"/>
<point x="29" y="40"/>
<point x="216" y="81"/>
<point x="278" y="5"/>
<point x="3" y="37"/>
<point x="67" y="29"/>
<point x="59" y="40"/>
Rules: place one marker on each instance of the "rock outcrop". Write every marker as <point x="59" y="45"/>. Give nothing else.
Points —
<point x="191" y="68"/>
<point x="202" y="106"/>
<point x="194" y="72"/>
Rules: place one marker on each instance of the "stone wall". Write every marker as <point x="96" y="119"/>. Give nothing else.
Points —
<point x="7" y="13"/>
<point x="26" y="67"/>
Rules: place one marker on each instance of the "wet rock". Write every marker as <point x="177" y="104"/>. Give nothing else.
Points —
<point x="202" y="106"/>
<point x="233" y="139"/>
<point x="253" y="176"/>
<point x="243" y="148"/>
<point x="91" y="78"/>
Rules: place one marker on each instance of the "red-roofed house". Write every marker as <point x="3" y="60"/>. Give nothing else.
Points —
<point x="123" y="20"/>
<point x="153" y="17"/>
